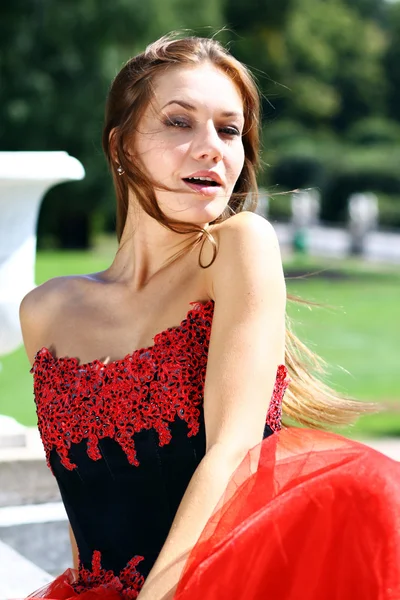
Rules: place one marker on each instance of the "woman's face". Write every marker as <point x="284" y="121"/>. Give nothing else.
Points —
<point x="192" y="129"/>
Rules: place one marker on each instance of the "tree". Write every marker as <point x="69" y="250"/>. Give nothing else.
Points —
<point x="58" y="59"/>
<point x="392" y="60"/>
<point x="326" y="56"/>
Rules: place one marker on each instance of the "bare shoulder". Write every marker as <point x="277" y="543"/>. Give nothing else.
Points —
<point x="248" y="224"/>
<point x="45" y="297"/>
<point x="248" y="259"/>
<point x="40" y="307"/>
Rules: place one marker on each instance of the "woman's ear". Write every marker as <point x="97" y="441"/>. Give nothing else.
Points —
<point x="112" y="144"/>
<point x="112" y="138"/>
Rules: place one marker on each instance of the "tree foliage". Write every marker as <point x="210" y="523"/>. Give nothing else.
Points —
<point x="322" y="66"/>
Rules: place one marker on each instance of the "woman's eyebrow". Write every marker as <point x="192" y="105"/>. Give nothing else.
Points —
<point x="193" y="108"/>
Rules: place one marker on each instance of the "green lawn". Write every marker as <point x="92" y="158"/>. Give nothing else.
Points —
<point x="359" y="337"/>
<point x="358" y="334"/>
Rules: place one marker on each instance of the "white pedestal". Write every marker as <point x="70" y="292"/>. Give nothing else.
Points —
<point x="25" y="177"/>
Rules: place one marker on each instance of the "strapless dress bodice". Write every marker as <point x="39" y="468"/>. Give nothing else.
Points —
<point x="123" y="440"/>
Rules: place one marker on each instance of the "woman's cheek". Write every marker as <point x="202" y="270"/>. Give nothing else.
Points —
<point x="235" y="168"/>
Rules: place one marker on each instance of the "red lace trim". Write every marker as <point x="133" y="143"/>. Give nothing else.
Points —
<point x="274" y="416"/>
<point x="147" y="389"/>
<point x="128" y="583"/>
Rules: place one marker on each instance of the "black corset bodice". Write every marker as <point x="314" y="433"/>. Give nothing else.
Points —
<point x="123" y="440"/>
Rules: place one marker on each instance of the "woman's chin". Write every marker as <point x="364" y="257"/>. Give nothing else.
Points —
<point x="199" y="211"/>
<point x="205" y="214"/>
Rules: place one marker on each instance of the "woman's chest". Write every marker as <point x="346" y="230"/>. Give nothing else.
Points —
<point x="148" y="389"/>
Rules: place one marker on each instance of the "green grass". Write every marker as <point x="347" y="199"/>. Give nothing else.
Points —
<point x="358" y="334"/>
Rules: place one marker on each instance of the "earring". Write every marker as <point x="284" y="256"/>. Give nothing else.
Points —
<point x="120" y="170"/>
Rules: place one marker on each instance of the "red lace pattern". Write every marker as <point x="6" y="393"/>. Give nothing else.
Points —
<point x="147" y="389"/>
<point x="128" y="583"/>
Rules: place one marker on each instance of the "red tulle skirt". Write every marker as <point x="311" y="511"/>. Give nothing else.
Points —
<point x="308" y="515"/>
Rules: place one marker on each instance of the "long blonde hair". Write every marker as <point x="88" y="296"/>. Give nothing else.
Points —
<point x="308" y="400"/>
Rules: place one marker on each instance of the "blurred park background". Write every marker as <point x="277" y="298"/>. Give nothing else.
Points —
<point x="329" y="73"/>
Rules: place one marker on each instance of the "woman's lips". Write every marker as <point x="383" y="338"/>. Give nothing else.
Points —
<point x="206" y="188"/>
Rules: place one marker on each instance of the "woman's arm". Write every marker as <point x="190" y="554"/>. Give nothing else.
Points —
<point x="246" y="345"/>
<point x="74" y="548"/>
<point x="35" y="313"/>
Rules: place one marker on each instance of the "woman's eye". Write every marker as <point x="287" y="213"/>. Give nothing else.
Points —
<point x="230" y="131"/>
<point x="180" y="123"/>
<point x="175" y="122"/>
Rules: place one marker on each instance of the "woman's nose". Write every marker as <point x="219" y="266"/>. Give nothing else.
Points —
<point x="207" y="144"/>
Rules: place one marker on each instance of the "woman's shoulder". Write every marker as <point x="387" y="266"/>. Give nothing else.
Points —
<point x="45" y="304"/>
<point x="247" y="245"/>
<point x="246" y="227"/>
<point x="50" y="293"/>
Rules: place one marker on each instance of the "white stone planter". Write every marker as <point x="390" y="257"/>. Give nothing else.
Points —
<point x="25" y="177"/>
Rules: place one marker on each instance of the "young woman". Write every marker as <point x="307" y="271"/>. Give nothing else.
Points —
<point x="159" y="382"/>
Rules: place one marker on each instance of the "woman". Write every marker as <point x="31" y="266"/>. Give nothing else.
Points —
<point x="155" y="378"/>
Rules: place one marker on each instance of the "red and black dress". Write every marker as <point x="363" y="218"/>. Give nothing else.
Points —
<point x="315" y="519"/>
